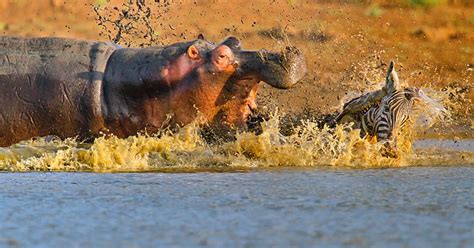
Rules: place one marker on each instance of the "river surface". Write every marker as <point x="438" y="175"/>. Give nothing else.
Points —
<point x="395" y="207"/>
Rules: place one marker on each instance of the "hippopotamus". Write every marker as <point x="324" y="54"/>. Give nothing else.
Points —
<point x="74" y="88"/>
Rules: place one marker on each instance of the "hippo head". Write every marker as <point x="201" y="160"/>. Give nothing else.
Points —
<point x="231" y="75"/>
<point x="219" y="81"/>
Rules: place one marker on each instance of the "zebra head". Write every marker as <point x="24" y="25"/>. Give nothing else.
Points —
<point x="401" y="102"/>
<point x="386" y="122"/>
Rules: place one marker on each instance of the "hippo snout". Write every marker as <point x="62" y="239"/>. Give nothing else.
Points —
<point x="280" y="70"/>
<point x="294" y="68"/>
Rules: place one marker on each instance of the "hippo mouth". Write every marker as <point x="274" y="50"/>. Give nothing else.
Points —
<point x="252" y="112"/>
<point x="253" y="120"/>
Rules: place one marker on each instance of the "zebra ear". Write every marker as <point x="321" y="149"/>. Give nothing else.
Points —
<point x="391" y="82"/>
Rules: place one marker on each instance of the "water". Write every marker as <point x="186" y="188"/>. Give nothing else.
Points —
<point x="398" y="207"/>
<point x="314" y="187"/>
<point x="186" y="150"/>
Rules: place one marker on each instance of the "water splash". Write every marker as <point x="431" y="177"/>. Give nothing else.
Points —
<point x="430" y="109"/>
<point x="186" y="151"/>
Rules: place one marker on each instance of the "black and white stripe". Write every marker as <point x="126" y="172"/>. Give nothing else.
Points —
<point x="384" y="121"/>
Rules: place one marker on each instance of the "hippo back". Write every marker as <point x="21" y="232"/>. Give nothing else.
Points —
<point x="47" y="84"/>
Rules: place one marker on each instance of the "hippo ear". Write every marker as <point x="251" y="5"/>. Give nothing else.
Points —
<point x="391" y="82"/>
<point x="193" y="52"/>
<point x="201" y="37"/>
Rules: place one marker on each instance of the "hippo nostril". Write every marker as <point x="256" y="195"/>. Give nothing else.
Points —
<point x="233" y="43"/>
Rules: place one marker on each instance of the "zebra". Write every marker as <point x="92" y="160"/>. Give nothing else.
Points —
<point x="381" y="114"/>
<point x="353" y="110"/>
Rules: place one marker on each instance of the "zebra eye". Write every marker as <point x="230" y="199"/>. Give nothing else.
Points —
<point x="408" y="96"/>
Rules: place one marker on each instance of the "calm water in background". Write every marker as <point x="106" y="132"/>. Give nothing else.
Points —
<point x="402" y="207"/>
